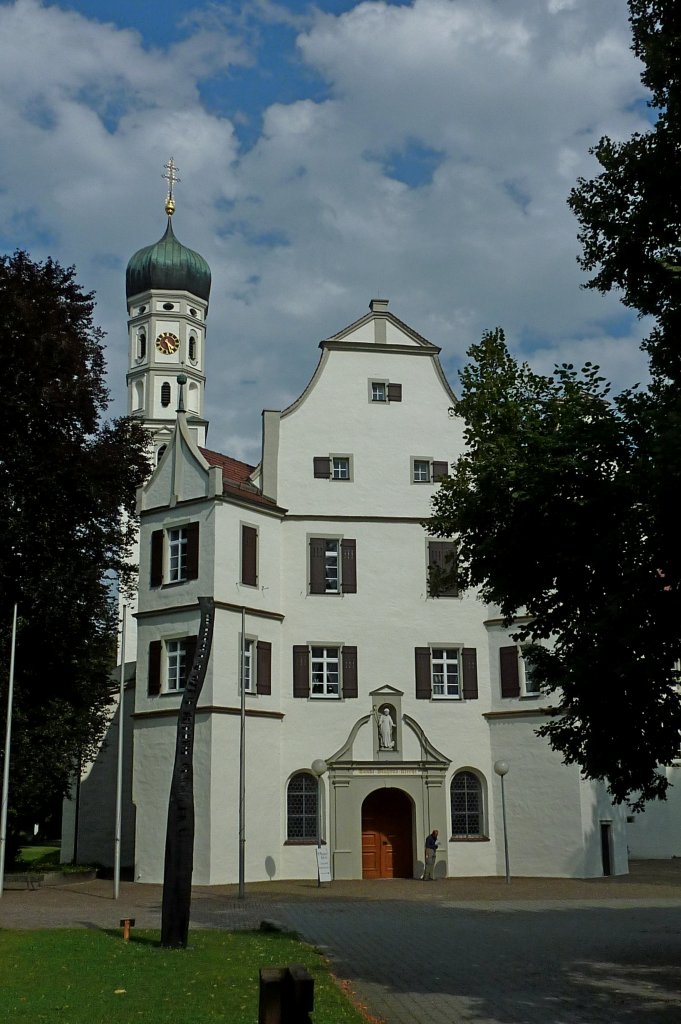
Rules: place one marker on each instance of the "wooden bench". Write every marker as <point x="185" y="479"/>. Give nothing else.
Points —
<point x="28" y="878"/>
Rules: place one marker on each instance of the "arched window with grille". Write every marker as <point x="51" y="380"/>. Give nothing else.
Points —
<point x="165" y="394"/>
<point x="467" y="809"/>
<point x="302" y="798"/>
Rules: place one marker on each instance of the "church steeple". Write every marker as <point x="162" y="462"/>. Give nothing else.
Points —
<point x="167" y="287"/>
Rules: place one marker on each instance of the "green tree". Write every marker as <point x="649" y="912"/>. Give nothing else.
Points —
<point x="549" y="508"/>
<point x="67" y="496"/>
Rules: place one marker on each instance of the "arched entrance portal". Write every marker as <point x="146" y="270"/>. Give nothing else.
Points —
<point x="387" y="844"/>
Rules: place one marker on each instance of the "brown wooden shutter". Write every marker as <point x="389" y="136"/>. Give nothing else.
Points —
<point x="249" y="555"/>
<point x="442" y="556"/>
<point x="301" y="670"/>
<point x="189" y="652"/>
<point x="423" y="683"/>
<point x="192" y="551"/>
<point x="322" y="467"/>
<point x="263" y="678"/>
<point x="156" y="575"/>
<point x="440" y="470"/>
<point x="348" y="567"/>
<point x="508" y="668"/>
<point x="394" y="392"/>
<point x="469" y="664"/>
<point x="317" y="566"/>
<point x="154" y="674"/>
<point x="349" y="672"/>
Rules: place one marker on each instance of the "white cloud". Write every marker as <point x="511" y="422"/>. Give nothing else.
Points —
<point x="309" y="224"/>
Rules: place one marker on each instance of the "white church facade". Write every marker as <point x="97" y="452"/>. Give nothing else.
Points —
<point x="318" y="563"/>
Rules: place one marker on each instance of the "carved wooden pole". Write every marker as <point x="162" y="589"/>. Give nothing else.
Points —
<point x="179" y="859"/>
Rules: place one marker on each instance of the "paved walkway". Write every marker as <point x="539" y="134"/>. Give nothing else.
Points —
<point x="457" y="951"/>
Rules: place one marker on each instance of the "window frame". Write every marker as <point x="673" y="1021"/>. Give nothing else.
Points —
<point x="178" y="674"/>
<point x="326" y="660"/>
<point x="447" y="649"/>
<point x="160" y="567"/>
<point x="341" y="458"/>
<point x="251" y="664"/>
<point x="308" y="817"/>
<point x="421" y="461"/>
<point x="176" y="551"/>
<point x="469" y="835"/>
<point x="377" y="382"/>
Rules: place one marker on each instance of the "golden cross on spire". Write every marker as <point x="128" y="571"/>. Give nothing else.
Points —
<point x="172" y="177"/>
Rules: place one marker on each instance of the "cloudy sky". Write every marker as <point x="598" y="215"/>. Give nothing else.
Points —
<point x="330" y="153"/>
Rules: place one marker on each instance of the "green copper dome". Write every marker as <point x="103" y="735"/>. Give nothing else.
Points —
<point x="168" y="265"/>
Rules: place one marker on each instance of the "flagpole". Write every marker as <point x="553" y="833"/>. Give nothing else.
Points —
<point x="8" y="742"/>
<point x="242" y="759"/>
<point x="119" y="766"/>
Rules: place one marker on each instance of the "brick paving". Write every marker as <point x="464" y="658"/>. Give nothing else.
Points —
<point x="457" y="951"/>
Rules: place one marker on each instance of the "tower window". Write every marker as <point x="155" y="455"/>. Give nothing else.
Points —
<point x="192" y="347"/>
<point x="160" y="453"/>
<point x="141" y="345"/>
<point x="165" y="394"/>
<point x="169" y="305"/>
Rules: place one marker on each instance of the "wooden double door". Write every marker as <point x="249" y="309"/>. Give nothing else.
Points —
<point x="387" y="840"/>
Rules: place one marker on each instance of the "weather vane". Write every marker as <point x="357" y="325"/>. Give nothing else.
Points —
<point x="172" y="177"/>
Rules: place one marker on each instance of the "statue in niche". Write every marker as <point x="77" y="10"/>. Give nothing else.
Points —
<point x="386" y="727"/>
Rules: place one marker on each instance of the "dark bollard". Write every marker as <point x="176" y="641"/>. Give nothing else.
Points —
<point x="270" y="1009"/>
<point x="298" y="995"/>
<point x="286" y="995"/>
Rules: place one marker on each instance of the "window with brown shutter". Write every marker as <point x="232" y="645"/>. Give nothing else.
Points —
<point x="192" y="530"/>
<point x="249" y="556"/>
<point x="469" y="660"/>
<point x="441" y="562"/>
<point x="317" y="565"/>
<point x="394" y="392"/>
<point x="322" y="467"/>
<point x="349" y="566"/>
<point x="154" y="673"/>
<point x="301" y="670"/>
<point x="440" y="470"/>
<point x="349" y="681"/>
<point x="263" y="677"/>
<point x="508" y="669"/>
<point x="423" y="684"/>
<point x="157" y="543"/>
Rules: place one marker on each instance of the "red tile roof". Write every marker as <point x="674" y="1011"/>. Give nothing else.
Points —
<point x="233" y="471"/>
<point x="236" y="477"/>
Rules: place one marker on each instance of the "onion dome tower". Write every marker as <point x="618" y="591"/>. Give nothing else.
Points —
<point x="167" y="288"/>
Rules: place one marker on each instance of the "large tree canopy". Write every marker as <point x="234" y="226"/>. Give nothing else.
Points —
<point x="550" y="506"/>
<point x="67" y="494"/>
<point x="565" y="504"/>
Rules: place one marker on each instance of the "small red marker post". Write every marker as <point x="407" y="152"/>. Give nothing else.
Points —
<point x="126" y="924"/>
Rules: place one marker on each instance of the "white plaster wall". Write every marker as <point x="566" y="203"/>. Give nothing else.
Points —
<point x="153" y="757"/>
<point x="656" y="832"/>
<point x="263" y="807"/>
<point x="337" y="417"/>
<point x="543" y="807"/>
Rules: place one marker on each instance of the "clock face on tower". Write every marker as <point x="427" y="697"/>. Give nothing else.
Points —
<point x="167" y="343"/>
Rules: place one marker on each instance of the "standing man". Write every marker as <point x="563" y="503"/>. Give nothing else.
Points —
<point x="431" y="852"/>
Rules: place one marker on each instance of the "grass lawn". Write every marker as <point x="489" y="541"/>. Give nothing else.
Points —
<point x="93" y="977"/>
<point x="33" y="858"/>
